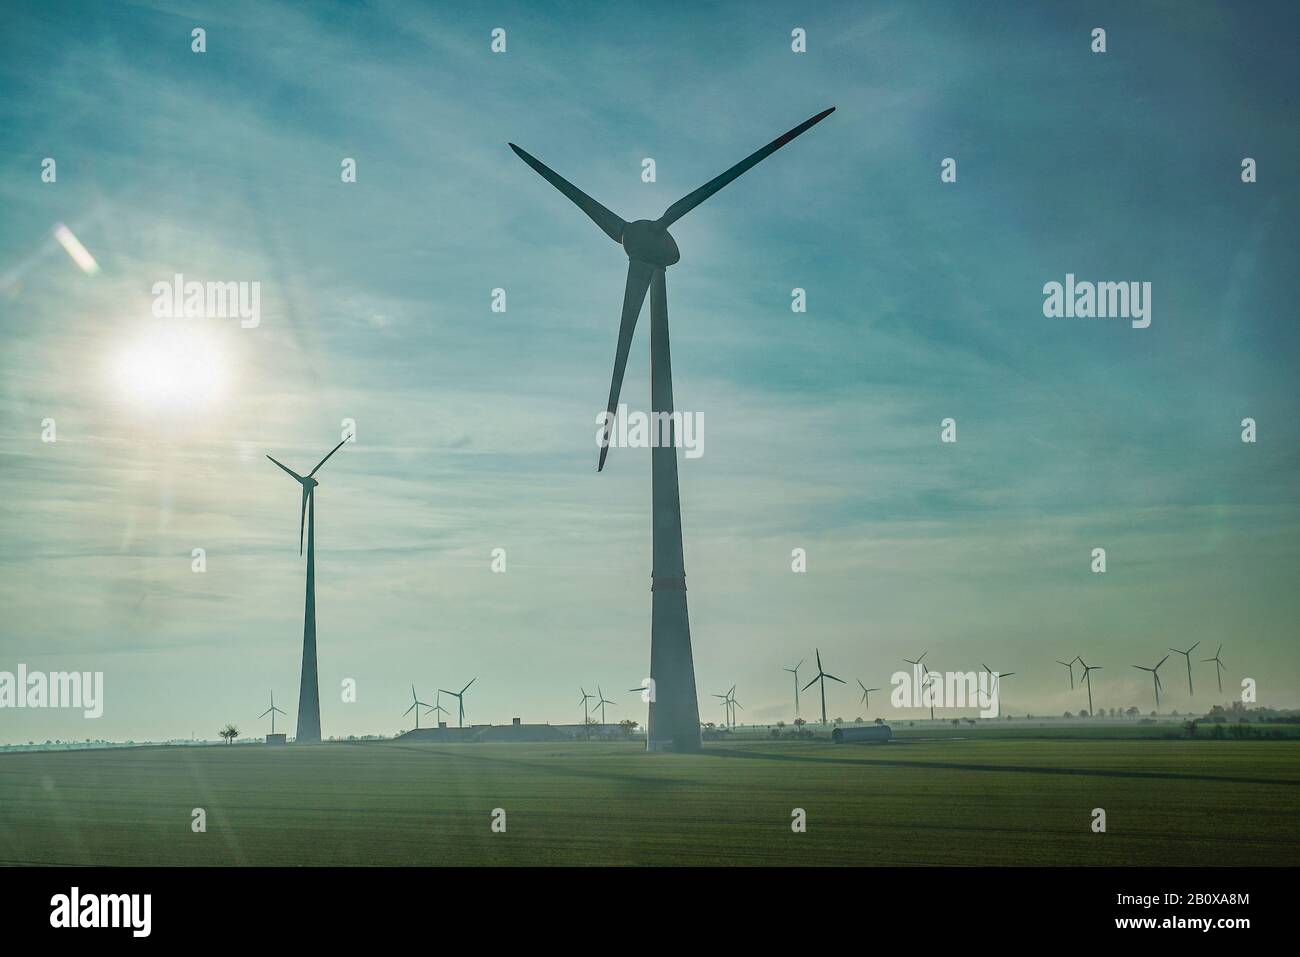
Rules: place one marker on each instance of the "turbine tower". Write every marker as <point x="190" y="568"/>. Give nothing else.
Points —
<point x="1155" y="673"/>
<point x="309" y="687"/>
<point x="1087" y="676"/>
<point x="1219" y="667"/>
<point x="460" y="701"/>
<point x="1188" y="655"/>
<point x="674" y="721"/>
<point x="416" y="705"/>
<point x="272" y="711"/>
<point x="822" y="676"/>
<point x="795" y="671"/>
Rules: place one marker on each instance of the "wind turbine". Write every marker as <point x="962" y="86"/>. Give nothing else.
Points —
<point x="734" y="704"/>
<point x="460" y="700"/>
<point x="822" y="676"/>
<point x="1155" y="673"/>
<point x="930" y="679"/>
<point x="601" y="701"/>
<point x="416" y="705"/>
<point x="726" y="708"/>
<point x="309" y="688"/>
<point x="674" y="720"/>
<point x="1087" y="676"/>
<point x="586" y="717"/>
<point x="1219" y="667"/>
<point x="272" y="711"/>
<point x="795" y="671"/>
<point x="866" y="694"/>
<point x="437" y="707"/>
<point x="1188" y="655"/>
<point x="1070" y="664"/>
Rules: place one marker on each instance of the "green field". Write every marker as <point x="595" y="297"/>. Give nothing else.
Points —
<point x="968" y="801"/>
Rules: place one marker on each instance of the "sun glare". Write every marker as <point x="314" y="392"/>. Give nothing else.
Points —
<point x="175" y="368"/>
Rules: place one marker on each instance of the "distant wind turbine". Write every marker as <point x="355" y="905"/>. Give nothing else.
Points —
<point x="1087" y="676"/>
<point x="1069" y="664"/>
<point x="601" y="701"/>
<point x="309" y="687"/>
<point x="272" y="711"/>
<point x="1188" y="655"/>
<point x="795" y="671"/>
<point x="929" y="679"/>
<point x="866" y="694"/>
<point x="1155" y="673"/>
<point x="674" y="720"/>
<point x="437" y="708"/>
<point x="821" y="677"/>
<point x="1219" y="667"/>
<point x="460" y="701"/>
<point x="586" y="717"/>
<point x="416" y="705"/>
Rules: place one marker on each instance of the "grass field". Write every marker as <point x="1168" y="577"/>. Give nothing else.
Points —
<point x="962" y="801"/>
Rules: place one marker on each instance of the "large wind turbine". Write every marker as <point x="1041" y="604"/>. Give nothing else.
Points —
<point x="1188" y="655"/>
<point x="460" y="700"/>
<point x="309" y="687"/>
<point x="416" y="705"/>
<point x="674" y="721"/>
<point x="822" y="676"/>
<point x="1155" y="673"/>
<point x="1219" y="667"/>
<point x="272" y="711"/>
<point x="795" y="671"/>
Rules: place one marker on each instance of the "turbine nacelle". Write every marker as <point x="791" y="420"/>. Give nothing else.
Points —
<point x="649" y="242"/>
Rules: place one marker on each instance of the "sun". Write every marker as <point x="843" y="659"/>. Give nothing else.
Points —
<point x="178" y="367"/>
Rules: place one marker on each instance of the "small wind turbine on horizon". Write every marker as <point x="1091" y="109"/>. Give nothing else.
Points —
<point x="1219" y="667"/>
<point x="601" y="701"/>
<point x="1155" y="673"/>
<point x="437" y="708"/>
<point x="674" y="719"/>
<point x="1188" y="655"/>
<point x="586" y="716"/>
<point x="929" y="678"/>
<point x="795" y="671"/>
<point x="866" y="694"/>
<point x="821" y="677"/>
<point x="416" y="705"/>
<point x="460" y="701"/>
<point x="272" y="711"/>
<point x="309" y="686"/>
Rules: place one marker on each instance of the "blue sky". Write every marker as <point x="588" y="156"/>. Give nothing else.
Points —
<point x="475" y="429"/>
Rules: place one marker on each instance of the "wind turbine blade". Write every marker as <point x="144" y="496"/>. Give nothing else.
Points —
<point x="1161" y="662"/>
<point x="811" y="683"/>
<point x="326" y="459"/>
<point x="266" y="712"/>
<point x="1005" y="674"/>
<point x="840" y="680"/>
<point x="287" y="469"/>
<point x="407" y="711"/>
<point x="688" y="202"/>
<point x="302" y="523"/>
<point x="610" y="224"/>
<point x="638" y="281"/>
<point x="1193" y="648"/>
<point x="471" y="681"/>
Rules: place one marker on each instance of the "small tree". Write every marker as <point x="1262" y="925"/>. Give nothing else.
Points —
<point x="229" y="732"/>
